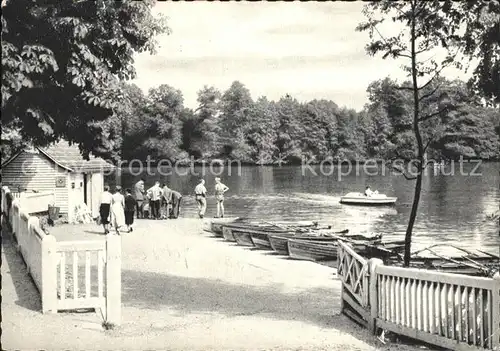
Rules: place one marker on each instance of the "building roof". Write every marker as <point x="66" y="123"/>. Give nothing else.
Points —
<point x="69" y="157"/>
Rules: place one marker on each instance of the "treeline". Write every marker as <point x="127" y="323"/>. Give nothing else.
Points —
<point x="232" y="125"/>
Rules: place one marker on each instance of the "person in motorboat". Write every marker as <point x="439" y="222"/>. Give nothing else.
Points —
<point x="369" y="192"/>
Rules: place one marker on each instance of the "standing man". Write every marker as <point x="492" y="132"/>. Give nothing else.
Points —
<point x="200" y="193"/>
<point x="139" y="198"/>
<point x="155" y="194"/>
<point x="166" y="199"/>
<point x="175" y="203"/>
<point x="220" y="189"/>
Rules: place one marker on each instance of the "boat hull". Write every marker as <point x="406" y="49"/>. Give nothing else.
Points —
<point x="227" y="234"/>
<point x="312" y="250"/>
<point x="368" y="202"/>
<point x="361" y="199"/>
<point x="279" y="243"/>
<point x="242" y="238"/>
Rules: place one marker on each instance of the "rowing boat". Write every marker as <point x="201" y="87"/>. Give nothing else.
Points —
<point x="215" y="226"/>
<point x="279" y="242"/>
<point x="322" y="250"/>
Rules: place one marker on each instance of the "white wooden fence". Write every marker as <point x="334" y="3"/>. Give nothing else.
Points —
<point x="31" y="202"/>
<point x="69" y="274"/>
<point x="455" y="311"/>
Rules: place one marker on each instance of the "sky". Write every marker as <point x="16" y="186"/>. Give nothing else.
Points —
<point x="309" y="50"/>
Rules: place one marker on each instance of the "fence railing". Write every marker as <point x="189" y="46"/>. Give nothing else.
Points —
<point x="455" y="311"/>
<point x="69" y="274"/>
<point x="31" y="202"/>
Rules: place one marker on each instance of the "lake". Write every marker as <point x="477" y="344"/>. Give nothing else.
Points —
<point x="453" y="206"/>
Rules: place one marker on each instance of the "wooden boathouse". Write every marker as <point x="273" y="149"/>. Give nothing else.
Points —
<point x="59" y="168"/>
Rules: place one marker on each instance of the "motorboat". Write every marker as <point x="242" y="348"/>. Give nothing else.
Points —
<point x="362" y="199"/>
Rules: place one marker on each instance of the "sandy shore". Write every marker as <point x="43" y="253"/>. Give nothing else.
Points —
<point x="185" y="290"/>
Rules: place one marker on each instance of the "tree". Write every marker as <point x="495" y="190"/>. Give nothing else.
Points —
<point x="206" y="132"/>
<point x="161" y="129"/>
<point x="424" y="29"/>
<point x="480" y="40"/>
<point x="261" y="131"/>
<point x="73" y="53"/>
<point x="235" y="103"/>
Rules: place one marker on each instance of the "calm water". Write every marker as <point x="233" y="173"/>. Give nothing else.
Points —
<point x="452" y="208"/>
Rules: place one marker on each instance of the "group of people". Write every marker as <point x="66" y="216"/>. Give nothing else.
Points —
<point x="200" y="193"/>
<point x="158" y="202"/>
<point x="117" y="209"/>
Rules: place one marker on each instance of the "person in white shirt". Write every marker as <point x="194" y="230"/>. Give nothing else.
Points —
<point x="200" y="194"/>
<point x="104" y="208"/>
<point x="155" y="193"/>
<point x="220" y="189"/>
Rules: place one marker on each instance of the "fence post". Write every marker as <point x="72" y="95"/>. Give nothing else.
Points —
<point x="340" y="253"/>
<point x="49" y="274"/>
<point x="373" y="294"/>
<point x="495" y="312"/>
<point x="113" y="279"/>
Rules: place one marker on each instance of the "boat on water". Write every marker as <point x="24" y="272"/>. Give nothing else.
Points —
<point x="372" y="200"/>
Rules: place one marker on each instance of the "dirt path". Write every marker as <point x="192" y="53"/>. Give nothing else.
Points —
<point x="184" y="290"/>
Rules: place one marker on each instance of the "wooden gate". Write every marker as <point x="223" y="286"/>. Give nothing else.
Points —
<point x="353" y="272"/>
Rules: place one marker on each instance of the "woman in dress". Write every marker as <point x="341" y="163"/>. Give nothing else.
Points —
<point x="104" y="208"/>
<point x="130" y="205"/>
<point x="118" y="209"/>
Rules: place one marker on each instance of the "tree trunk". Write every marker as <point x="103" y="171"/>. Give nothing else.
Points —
<point x="416" y="129"/>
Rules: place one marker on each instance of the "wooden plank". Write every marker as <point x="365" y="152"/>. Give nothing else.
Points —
<point x="397" y="297"/>
<point x="446" y="312"/>
<point x="432" y="302"/>
<point x="349" y="288"/>
<point x="413" y="293"/>
<point x="403" y="301"/>
<point x="82" y="245"/>
<point x="392" y="298"/>
<point x="426" y="337"/>
<point x="459" y="317"/>
<point x="408" y="302"/>
<point x="357" y="307"/>
<point x="441" y="277"/>
<point x="491" y="331"/>
<point x="420" y="299"/>
<point x="75" y="275"/>
<point x="379" y="295"/>
<point x="113" y="279"/>
<point x="474" y="317"/>
<point x="100" y="269"/>
<point x="69" y="304"/>
<point x="453" y="313"/>
<point x="467" y="331"/>
<point x="87" y="274"/>
<point x="62" y="276"/>
<point x="355" y="318"/>
<point x="481" y="317"/>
